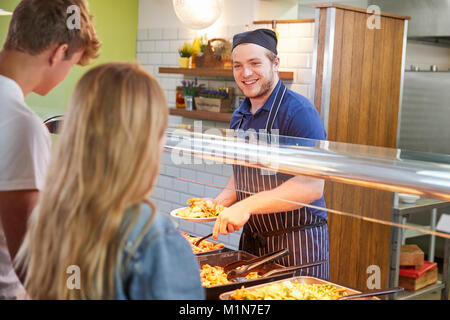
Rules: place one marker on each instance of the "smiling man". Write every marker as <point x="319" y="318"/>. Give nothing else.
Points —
<point x="251" y="195"/>
<point x="38" y="54"/>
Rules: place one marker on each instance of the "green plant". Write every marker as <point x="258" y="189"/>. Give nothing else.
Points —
<point x="203" y="42"/>
<point x="222" y="49"/>
<point x="191" y="88"/>
<point x="212" y="93"/>
<point x="186" y="50"/>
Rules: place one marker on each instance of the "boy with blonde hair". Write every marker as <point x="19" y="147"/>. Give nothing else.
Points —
<point x="40" y="49"/>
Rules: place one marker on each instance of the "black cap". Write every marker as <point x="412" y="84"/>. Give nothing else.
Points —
<point x="263" y="37"/>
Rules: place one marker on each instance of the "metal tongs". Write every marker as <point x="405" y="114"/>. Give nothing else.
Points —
<point x="202" y="238"/>
<point x="243" y="267"/>
<point x="372" y="293"/>
<point x="293" y="268"/>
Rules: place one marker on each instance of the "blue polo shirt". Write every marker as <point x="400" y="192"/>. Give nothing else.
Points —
<point x="296" y="117"/>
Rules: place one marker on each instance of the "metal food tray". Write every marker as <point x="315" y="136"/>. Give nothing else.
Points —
<point x="211" y="252"/>
<point x="224" y="258"/>
<point x="301" y="279"/>
<point x="208" y="252"/>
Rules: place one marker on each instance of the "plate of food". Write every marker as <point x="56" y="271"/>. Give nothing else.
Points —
<point x="204" y="247"/>
<point x="198" y="210"/>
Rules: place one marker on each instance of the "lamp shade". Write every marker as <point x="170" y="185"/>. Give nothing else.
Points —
<point x="198" y="14"/>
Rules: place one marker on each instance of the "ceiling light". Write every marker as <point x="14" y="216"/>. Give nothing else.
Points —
<point x="198" y="14"/>
<point x="5" y="13"/>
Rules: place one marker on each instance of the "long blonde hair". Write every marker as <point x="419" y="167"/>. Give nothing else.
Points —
<point x="107" y="160"/>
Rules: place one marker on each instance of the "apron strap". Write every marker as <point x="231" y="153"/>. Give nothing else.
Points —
<point x="273" y="111"/>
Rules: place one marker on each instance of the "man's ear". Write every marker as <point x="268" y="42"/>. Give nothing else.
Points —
<point x="59" y="54"/>
<point x="276" y="63"/>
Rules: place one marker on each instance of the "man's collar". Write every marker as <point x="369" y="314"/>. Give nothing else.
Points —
<point x="245" y="106"/>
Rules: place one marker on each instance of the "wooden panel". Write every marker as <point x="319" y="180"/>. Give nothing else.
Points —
<point x="332" y="193"/>
<point x="395" y="81"/>
<point x="371" y="138"/>
<point x="320" y="59"/>
<point x="364" y="98"/>
<point x="352" y="135"/>
<point x="385" y="85"/>
<point x="341" y="121"/>
<point x="336" y="71"/>
<point x="366" y="83"/>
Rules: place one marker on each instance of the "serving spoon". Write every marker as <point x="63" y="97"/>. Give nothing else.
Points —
<point x="201" y="239"/>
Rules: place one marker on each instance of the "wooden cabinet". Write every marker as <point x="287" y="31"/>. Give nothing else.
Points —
<point x="358" y="77"/>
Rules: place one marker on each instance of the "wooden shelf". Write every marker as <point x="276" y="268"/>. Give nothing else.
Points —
<point x="284" y="21"/>
<point x="360" y="10"/>
<point x="285" y="75"/>
<point x="201" y="115"/>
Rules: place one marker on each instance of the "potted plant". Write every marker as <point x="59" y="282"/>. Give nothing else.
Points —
<point x="203" y="43"/>
<point x="222" y="51"/>
<point x="190" y="90"/>
<point x="214" y="100"/>
<point x="185" y="52"/>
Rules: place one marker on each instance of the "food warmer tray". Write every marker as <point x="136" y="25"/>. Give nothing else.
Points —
<point x="224" y="258"/>
<point x="221" y="250"/>
<point x="301" y="279"/>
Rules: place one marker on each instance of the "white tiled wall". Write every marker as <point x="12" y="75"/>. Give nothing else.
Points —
<point x="158" y="47"/>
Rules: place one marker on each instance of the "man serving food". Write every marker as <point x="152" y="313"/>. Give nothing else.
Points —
<point x="251" y="195"/>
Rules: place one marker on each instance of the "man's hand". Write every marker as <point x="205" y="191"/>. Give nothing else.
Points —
<point x="230" y="220"/>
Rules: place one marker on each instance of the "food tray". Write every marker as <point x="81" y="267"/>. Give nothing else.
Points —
<point x="224" y="258"/>
<point x="301" y="279"/>
<point x="221" y="250"/>
<point x="208" y="252"/>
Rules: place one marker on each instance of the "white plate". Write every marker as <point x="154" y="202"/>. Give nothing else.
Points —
<point x="173" y="213"/>
<point x="408" y="198"/>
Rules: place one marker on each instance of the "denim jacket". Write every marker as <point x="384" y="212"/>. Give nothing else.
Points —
<point x="163" y="266"/>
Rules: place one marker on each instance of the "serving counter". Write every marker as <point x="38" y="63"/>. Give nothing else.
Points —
<point x="212" y="150"/>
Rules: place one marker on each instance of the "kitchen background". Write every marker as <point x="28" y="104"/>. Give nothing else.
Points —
<point x="148" y="31"/>
<point x="161" y="33"/>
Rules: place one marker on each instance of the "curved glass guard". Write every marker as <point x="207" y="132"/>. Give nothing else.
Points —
<point x="373" y="169"/>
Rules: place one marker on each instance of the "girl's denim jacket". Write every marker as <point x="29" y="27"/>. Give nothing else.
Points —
<point x="162" y="267"/>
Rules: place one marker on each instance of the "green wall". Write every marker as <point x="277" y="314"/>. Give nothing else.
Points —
<point x="116" y="22"/>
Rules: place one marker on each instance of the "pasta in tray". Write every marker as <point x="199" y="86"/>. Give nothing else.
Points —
<point x="288" y="290"/>
<point x="215" y="276"/>
<point x="199" y="208"/>
<point x="204" y="246"/>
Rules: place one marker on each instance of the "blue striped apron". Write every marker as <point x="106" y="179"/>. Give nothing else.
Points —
<point x="302" y="232"/>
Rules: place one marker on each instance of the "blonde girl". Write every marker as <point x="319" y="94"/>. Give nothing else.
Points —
<point x="93" y="215"/>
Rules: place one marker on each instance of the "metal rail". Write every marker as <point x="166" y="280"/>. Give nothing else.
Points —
<point x="372" y="167"/>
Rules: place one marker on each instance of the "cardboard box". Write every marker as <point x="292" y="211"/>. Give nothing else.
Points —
<point x="411" y="256"/>
<point x="412" y="278"/>
<point x="213" y="105"/>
